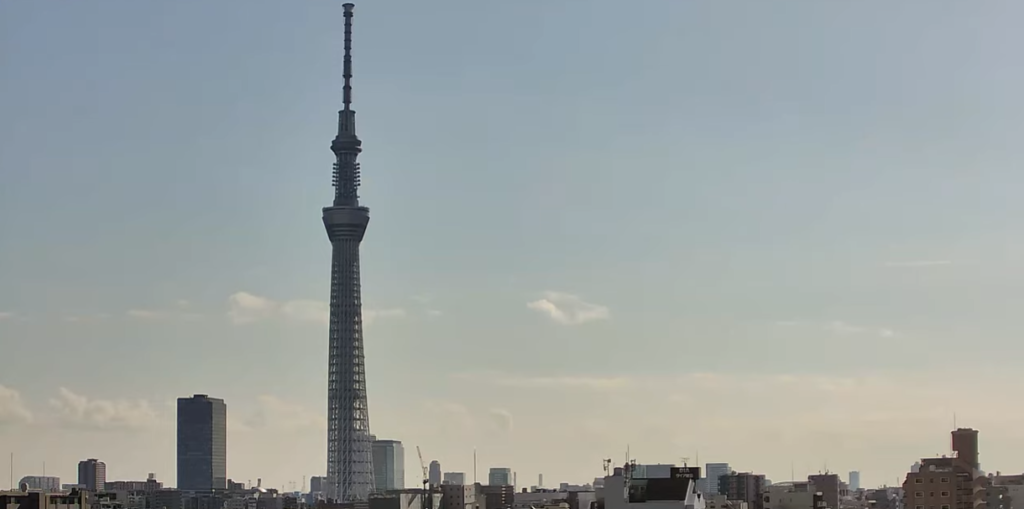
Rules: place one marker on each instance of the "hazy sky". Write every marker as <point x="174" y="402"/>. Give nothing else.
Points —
<point x="785" y="235"/>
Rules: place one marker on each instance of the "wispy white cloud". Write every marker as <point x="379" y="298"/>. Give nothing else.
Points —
<point x="85" y="318"/>
<point x="12" y="408"/>
<point x="372" y="315"/>
<point x="244" y="307"/>
<point x="501" y="419"/>
<point x="568" y="309"/>
<point x="918" y="263"/>
<point x="75" y="410"/>
<point x="839" y="327"/>
<point x="163" y="314"/>
<point x="279" y="415"/>
<point x="589" y="382"/>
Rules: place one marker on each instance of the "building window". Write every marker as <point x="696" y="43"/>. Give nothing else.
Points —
<point x="918" y="507"/>
<point x="944" y="479"/>
<point x="918" y="481"/>
<point x="945" y="493"/>
<point x="944" y="506"/>
<point x="918" y="494"/>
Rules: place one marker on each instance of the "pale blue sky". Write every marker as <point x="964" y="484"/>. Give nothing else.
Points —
<point x="787" y="217"/>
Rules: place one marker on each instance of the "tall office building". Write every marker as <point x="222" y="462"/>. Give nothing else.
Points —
<point x="456" y="478"/>
<point x="350" y="473"/>
<point x="712" y="473"/>
<point x="44" y="483"/>
<point x="854" y="480"/>
<point x="499" y="477"/>
<point x="92" y="473"/>
<point x="316" y="484"/>
<point x="434" y="474"/>
<point x="202" y="443"/>
<point x="388" y="465"/>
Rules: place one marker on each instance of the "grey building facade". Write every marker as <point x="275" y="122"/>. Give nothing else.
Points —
<point x="388" y="465"/>
<point x="202" y="443"/>
<point x="92" y="473"/>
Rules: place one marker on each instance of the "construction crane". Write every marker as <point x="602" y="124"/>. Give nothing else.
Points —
<point x="426" y="499"/>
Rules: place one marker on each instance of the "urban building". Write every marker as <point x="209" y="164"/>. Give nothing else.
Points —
<point x="742" y="486"/>
<point x="942" y="483"/>
<point x="316" y="483"/>
<point x="456" y="478"/>
<point x="789" y="495"/>
<point x="350" y="473"/>
<point x="497" y="496"/>
<point x="654" y="471"/>
<point x="434" y="473"/>
<point x="854" y="482"/>
<point x="624" y="490"/>
<point x="41" y="482"/>
<point x="92" y="474"/>
<point x="948" y="482"/>
<point x="459" y="496"/>
<point x="965" y="445"/>
<point x="42" y="500"/>
<point x="830" y="487"/>
<point x="388" y="465"/>
<point x="499" y="476"/>
<point x="712" y="471"/>
<point x="150" y="484"/>
<point x="409" y="498"/>
<point x="202" y="443"/>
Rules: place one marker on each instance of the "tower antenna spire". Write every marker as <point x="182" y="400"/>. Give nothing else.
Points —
<point x="347" y="73"/>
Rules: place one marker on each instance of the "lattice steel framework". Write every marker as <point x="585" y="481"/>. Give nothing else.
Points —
<point x="349" y="455"/>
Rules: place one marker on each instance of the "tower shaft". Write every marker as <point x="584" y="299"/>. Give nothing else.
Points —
<point x="349" y="455"/>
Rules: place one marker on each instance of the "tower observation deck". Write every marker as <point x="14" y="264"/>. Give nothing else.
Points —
<point x="349" y="456"/>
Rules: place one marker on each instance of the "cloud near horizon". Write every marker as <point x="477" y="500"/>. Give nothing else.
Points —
<point x="244" y="308"/>
<point x="75" y="410"/>
<point x="918" y="263"/>
<point x="568" y="309"/>
<point x="12" y="408"/>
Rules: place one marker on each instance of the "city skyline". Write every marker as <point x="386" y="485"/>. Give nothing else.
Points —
<point x="576" y="211"/>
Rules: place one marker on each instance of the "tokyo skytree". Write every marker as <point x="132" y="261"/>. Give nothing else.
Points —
<point x="349" y="457"/>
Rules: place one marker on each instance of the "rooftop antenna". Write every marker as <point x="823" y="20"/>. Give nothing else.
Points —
<point x="348" y="55"/>
<point x="474" y="465"/>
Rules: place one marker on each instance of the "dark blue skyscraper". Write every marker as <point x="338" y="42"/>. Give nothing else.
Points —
<point x="202" y="443"/>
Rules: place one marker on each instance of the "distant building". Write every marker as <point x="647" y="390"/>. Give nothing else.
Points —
<point x="965" y="444"/>
<point x="460" y="496"/>
<point x="317" y="482"/>
<point x="43" y="483"/>
<point x="149" y="485"/>
<point x="499" y="476"/>
<point x="830" y="488"/>
<point x="434" y="475"/>
<point x="497" y="496"/>
<point x="677" y="491"/>
<point x="92" y="473"/>
<point x="41" y="500"/>
<point x="202" y="443"/>
<point x="946" y="483"/>
<point x="789" y="495"/>
<point x="712" y="471"/>
<point x="742" y="486"/>
<point x="456" y="478"/>
<point x="854" y="480"/>
<point x="388" y="465"/>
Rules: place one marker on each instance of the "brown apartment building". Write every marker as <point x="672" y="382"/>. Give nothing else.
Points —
<point x="947" y="482"/>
